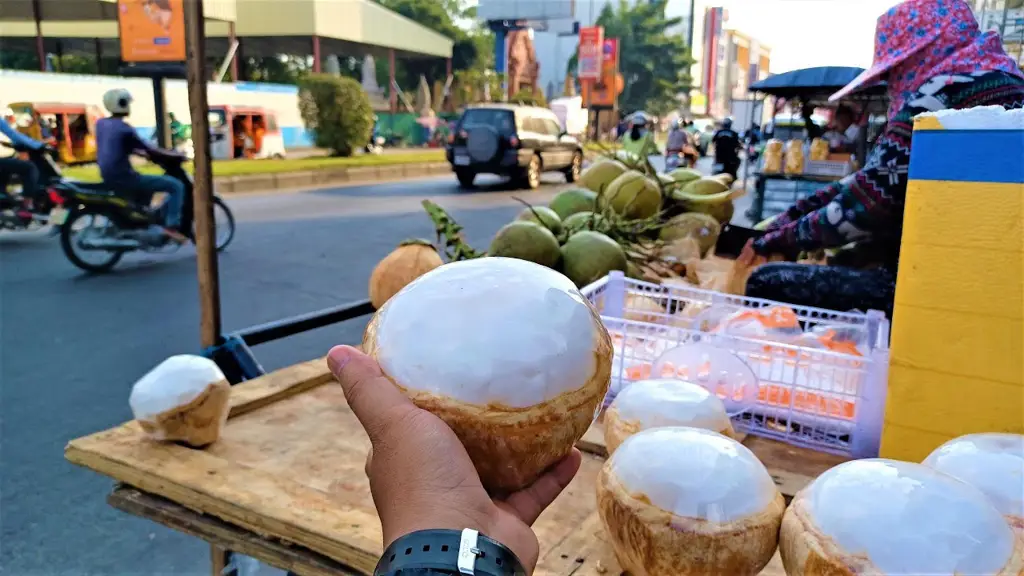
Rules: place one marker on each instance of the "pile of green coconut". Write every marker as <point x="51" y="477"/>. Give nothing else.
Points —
<point x="623" y="216"/>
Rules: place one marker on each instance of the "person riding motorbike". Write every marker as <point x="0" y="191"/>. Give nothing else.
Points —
<point x="26" y="170"/>
<point x="727" y="149"/>
<point x="639" y="140"/>
<point x="680" y="144"/>
<point x="116" y="141"/>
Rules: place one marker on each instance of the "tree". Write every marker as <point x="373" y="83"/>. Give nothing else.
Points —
<point x="654" y="63"/>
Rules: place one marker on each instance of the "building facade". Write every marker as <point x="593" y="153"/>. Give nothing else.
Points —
<point x="726" y="63"/>
<point x="1005" y="17"/>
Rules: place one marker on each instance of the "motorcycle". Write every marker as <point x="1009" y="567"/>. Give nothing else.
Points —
<point x="31" y="211"/>
<point x="97" y="222"/>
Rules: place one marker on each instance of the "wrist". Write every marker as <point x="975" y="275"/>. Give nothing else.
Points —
<point x="455" y="552"/>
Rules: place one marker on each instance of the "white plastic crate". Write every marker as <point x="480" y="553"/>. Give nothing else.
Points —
<point x="827" y="168"/>
<point x="807" y="396"/>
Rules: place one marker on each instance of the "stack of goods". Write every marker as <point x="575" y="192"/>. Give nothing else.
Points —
<point x="795" y="157"/>
<point x="773" y="157"/>
<point x="820" y="150"/>
<point x="625" y="217"/>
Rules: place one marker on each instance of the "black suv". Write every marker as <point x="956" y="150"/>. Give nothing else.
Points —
<point x="512" y="140"/>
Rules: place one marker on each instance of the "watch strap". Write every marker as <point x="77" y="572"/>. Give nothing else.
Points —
<point x="453" y="552"/>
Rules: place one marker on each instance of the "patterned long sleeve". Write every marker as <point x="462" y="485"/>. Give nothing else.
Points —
<point x="867" y="203"/>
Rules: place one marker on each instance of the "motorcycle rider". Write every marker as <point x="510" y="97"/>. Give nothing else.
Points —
<point x="639" y="140"/>
<point x="727" y="148"/>
<point x="116" y="141"/>
<point x="26" y="170"/>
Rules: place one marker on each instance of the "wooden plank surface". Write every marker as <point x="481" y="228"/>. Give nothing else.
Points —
<point x="288" y="471"/>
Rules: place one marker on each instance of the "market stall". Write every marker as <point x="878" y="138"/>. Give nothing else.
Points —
<point x="793" y="167"/>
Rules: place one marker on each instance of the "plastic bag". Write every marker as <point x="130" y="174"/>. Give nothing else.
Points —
<point x="775" y="323"/>
<point x="820" y="149"/>
<point x="185" y="398"/>
<point x="773" y="157"/>
<point x="795" y="157"/>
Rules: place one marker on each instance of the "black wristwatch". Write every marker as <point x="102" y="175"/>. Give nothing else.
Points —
<point x="448" y="552"/>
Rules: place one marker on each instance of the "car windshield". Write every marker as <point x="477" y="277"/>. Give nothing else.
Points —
<point x="501" y="120"/>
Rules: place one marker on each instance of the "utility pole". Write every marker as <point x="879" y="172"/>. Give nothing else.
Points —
<point x="205" y="234"/>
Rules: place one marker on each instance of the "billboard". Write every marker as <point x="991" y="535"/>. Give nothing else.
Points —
<point x="590" y="53"/>
<point x="604" y="92"/>
<point x="491" y="10"/>
<point x="151" y="30"/>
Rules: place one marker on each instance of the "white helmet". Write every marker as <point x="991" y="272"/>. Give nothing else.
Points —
<point x="118" y="101"/>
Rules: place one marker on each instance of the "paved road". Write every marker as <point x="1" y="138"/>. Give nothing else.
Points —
<point x="71" y="346"/>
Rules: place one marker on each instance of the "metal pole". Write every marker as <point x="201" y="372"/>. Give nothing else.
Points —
<point x="206" y="251"/>
<point x="163" y="133"/>
<point x="37" y="15"/>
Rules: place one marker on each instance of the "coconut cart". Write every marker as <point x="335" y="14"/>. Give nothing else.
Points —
<point x="778" y="185"/>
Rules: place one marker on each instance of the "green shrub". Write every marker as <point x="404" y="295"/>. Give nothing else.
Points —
<point x="530" y="97"/>
<point x="336" y="111"/>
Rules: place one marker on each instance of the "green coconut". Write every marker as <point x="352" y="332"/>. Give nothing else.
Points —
<point x="701" y="227"/>
<point x="719" y="205"/>
<point x="548" y="218"/>
<point x="573" y="201"/>
<point x="599" y="175"/>
<point x="585" y="221"/>
<point x="633" y="271"/>
<point x="633" y="196"/>
<point x="684" y="175"/>
<point x="527" y="241"/>
<point x="588" y="256"/>
<point x="705" y="187"/>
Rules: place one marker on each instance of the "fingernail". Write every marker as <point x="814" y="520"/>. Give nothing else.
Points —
<point x="337" y="358"/>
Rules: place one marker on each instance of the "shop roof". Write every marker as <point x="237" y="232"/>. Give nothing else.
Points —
<point x="91" y="10"/>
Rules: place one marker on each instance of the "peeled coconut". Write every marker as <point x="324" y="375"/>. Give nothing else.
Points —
<point x="508" y="353"/>
<point x="684" y="175"/>
<point x="705" y="187"/>
<point x="660" y="403"/>
<point x="185" y="398"/>
<point x="588" y="256"/>
<point x="632" y="196"/>
<point x="688" y="501"/>
<point x="526" y="240"/>
<point x="719" y="206"/>
<point x="888" y="517"/>
<point x="701" y="227"/>
<point x="573" y="201"/>
<point x="585" y="221"/>
<point x="406" y="263"/>
<point x="599" y="175"/>
<point x="544" y="216"/>
<point x="992" y="463"/>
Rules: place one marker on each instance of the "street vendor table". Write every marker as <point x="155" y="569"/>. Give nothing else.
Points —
<point x="775" y="193"/>
<point x="285" y="483"/>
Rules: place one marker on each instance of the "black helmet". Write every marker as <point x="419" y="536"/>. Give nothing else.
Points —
<point x="727" y="123"/>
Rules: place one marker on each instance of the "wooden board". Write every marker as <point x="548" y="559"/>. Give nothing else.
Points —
<point x="288" y="468"/>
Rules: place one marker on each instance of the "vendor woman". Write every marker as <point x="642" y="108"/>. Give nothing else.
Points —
<point x="934" y="57"/>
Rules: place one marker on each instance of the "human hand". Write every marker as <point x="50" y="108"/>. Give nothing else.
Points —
<point x="748" y="257"/>
<point x="420" y="475"/>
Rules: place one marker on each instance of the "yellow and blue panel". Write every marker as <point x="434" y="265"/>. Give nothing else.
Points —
<point x="957" y="357"/>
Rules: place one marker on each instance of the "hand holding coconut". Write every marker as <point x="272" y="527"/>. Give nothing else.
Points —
<point x="421" y="476"/>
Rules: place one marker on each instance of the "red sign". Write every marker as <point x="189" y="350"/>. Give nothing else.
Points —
<point x="590" y="57"/>
<point x="605" y="91"/>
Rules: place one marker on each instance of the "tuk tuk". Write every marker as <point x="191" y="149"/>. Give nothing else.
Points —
<point x="244" y="132"/>
<point x="68" y="127"/>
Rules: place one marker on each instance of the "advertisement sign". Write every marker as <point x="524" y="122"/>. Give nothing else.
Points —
<point x="151" y="30"/>
<point x="590" y="53"/>
<point x="605" y="91"/>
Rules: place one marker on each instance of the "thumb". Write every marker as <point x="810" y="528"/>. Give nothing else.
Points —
<point x="372" y="397"/>
<point x="528" y="503"/>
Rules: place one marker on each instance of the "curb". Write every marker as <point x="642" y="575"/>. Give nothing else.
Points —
<point x="321" y="178"/>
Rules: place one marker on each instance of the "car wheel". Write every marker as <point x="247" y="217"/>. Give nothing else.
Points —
<point x="531" y="174"/>
<point x="572" y="173"/>
<point x="465" y="178"/>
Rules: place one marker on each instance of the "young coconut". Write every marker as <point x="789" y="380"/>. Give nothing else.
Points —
<point x="632" y="196"/>
<point x="600" y="174"/>
<point x="992" y="463"/>
<point x="544" y="216"/>
<point x="688" y="501"/>
<point x="585" y="221"/>
<point x="185" y="398"/>
<point x="412" y="259"/>
<point x="880" y="516"/>
<point x="573" y="201"/>
<point x="526" y="240"/>
<point x="659" y="403"/>
<point x="703" y="228"/>
<point x="508" y="353"/>
<point x="588" y="256"/>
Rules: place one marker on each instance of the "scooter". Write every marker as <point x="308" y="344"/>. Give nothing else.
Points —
<point x="30" y="210"/>
<point x="98" y="225"/>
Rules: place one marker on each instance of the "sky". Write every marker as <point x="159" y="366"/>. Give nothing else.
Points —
<point x="806" y="33"/>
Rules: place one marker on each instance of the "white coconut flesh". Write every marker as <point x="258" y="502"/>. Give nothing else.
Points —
<point x="993" y="463"/>
<point x="174" y="382"/>
<point x="909" y="519"/>
<point x="670" y="402"/>
<point x="693" y="473"/>
<point x="490" y="331"/>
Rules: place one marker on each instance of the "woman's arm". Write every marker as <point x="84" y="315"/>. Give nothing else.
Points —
<point x="855" y="208"/>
